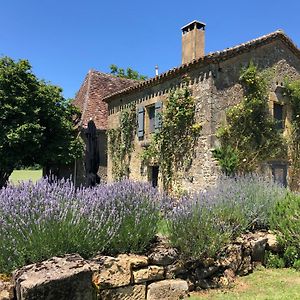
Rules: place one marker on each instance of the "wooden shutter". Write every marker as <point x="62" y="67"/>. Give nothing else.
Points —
<point x="141" y="119"/>
<point x="158" y="120"/>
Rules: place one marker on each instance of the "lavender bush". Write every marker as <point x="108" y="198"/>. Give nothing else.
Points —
<point x="41" y="220"/>
<point x="137" y="206"/>
<point x="202" y="223"/>
<point x="195" y="229"/>
<point x="253" y="195"/>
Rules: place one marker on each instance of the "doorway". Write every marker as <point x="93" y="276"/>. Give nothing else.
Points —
<point x="153" y="175"/>
<point x="279" y="173"/>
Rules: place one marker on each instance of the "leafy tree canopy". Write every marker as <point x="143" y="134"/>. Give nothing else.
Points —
<point x="36" y="121"/>
<point x="129" y="73"/>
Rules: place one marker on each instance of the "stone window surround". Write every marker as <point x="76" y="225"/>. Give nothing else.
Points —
<point x="277" y="97"/>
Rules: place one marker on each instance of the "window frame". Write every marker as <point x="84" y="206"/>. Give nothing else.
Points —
<point x="280" y="166"/>
<point x="150" y="120"/>
<point x="280" y="123"/>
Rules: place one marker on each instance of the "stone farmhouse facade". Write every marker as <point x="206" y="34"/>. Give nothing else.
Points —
<point x="214" y="83"/>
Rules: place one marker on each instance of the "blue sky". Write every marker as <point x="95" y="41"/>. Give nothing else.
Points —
<point x="64" y="39"/>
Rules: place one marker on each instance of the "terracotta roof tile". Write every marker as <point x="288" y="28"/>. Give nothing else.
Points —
<point x="89" y="98"/>
<point x="207" y="59"/>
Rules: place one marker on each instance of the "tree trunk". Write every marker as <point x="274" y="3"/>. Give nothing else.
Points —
<point x="4" y="175"/>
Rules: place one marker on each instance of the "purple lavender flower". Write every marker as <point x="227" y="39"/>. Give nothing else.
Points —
<point x="42" y="220"/>
<point x="201" y="224"/>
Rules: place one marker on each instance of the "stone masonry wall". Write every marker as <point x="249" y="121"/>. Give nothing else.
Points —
<point x="279" y="62"/>
<point x="159" y="274"/>
<point x="215" y="88"/>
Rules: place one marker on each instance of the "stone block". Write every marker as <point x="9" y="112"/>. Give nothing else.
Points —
<point x="112" y="272"/>
<point x="231" y="258"/>
<point x="174" y="270"/>
<point x="202" y="273"/>
<point x="62" y="278"/>
<point x="171" y="289"/>
<point x="208" y="283"/>
<point x="258" y="249"/>
<point x="136" y="261"/>
<point x="131" y="292"/>
<point x="149" y="274"/>
<point x="227" y="279"/>
<point x="6" y="290"/>
<point x="246" y="266"/>
<point x="272" y="243"/>
<point x="161" y="253"/>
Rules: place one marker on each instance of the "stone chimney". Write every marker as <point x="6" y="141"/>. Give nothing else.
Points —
<point x="193" y="36"/>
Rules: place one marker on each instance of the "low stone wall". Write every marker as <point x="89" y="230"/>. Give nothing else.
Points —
<point x="158" y="275"/>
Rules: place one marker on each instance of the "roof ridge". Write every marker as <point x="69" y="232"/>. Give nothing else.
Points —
<point x="222" y="54"/>
<point x="86" y="97"/>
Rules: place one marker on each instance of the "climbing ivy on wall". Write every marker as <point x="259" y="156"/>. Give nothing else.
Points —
<point x="173" y="146"/>
<point x="292" y="91"/>
<point x="120" y="143"/>
<point x="250" y="135"/>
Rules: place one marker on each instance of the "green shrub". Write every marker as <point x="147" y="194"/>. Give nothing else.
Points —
<point x="290" y="255"/>
<point x="285" y="219"/>
<point x="227" y="158"/>
<point x="296" y="264"/>
<point x="274" y="261"/>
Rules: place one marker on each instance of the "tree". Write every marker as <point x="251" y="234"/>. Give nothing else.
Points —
<point x="36" y="121"/>
<point x="130" y="74"/>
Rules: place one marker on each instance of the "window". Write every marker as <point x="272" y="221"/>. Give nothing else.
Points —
<point x="149" y="119"/>
<point x="141" y="117"/>
<point x="151" y="115"/>
<point x="278" y="115"/>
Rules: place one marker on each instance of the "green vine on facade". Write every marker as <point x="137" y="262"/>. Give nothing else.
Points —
<point x="120" y="143"/>
<point x="250" y="135"/>
<point x="172" y="147"/>
<point x="292" y="91"/>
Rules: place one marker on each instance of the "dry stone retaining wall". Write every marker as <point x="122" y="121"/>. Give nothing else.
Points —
<point x="156" y="276"/>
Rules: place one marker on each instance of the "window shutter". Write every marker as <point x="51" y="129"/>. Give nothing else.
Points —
<point x="141" y="117"/>
<point x="158" y="120"/>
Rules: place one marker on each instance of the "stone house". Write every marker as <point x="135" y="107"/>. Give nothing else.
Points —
<point x="92" y="168"/>
<point x="214" y="82"/>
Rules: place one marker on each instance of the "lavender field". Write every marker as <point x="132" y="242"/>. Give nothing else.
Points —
<point x="43" y="219"/>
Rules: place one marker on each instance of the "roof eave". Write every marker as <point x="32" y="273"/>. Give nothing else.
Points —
<point x="214" y="57"/>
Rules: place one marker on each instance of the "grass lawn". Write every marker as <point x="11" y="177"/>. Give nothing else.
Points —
<point x="262" y="284"/>
<point x="25" y="175"/>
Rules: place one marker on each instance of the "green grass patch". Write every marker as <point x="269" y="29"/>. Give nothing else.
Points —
<point x="263" y="284"/>
<point x="25" y="175"/>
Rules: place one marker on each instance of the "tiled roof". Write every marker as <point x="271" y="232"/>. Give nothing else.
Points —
<point x="207" y="59"/>
<point x="89" y="98"/>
